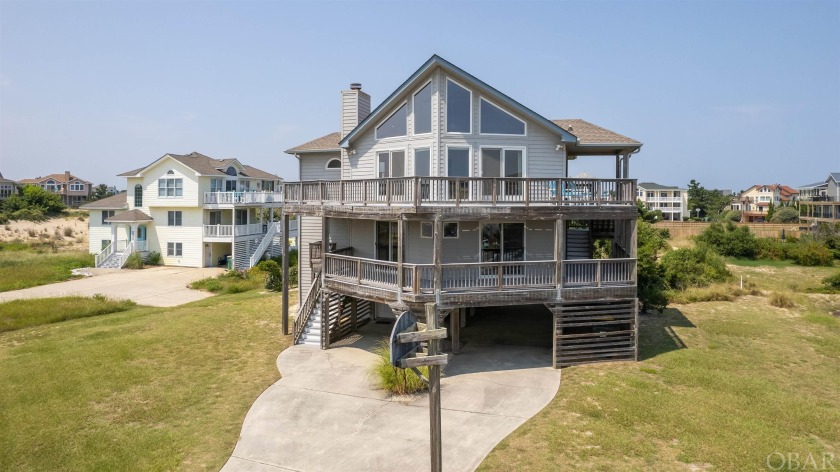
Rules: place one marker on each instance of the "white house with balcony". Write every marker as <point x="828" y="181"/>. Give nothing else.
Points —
<point x="196" y="211"/>
<point x="450" y="191"/>
<point x="671" y="201"/>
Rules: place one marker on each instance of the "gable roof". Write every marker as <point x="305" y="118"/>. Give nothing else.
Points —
<point x="132" y="216"/>
<point x="59" y="178"/>
<point x="437" y="61"/>
<point x="205" y="165"/>
<point x="588" y="133"/>
<point x="326" y="143"/>
<point x="834" y="175"/>
<point x="5" y="180"/>
<point x="654" y="186"/>
<point x="113" y="202"/>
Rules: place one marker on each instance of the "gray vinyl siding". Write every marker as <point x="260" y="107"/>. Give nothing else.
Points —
<point x="310" y="231"/>
<point x="363" y="238"/>
<point x="542" y="159"/>
<point x="539" y="240"/>
<point x="314" y="166"/>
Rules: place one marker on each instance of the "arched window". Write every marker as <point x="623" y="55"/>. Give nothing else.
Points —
<point x="138" y="196"/>
<point x="170" y="172"/>
<point x="334" y="164"/>
<point x="231" y="171"/>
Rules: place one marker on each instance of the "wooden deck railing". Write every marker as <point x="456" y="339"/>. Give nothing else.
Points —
<point x="312" y="297"/>
<point x="458" y="191"/>
<point x="479" y="276"/>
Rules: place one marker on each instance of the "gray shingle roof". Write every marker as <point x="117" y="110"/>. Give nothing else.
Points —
<point x="653" y="186"/>
<point x="589" y="133"/>
<point x="206" y="165"/>
<point x="328" y="142"/>
<point x="113" y="202"/>
<point x="132" y="216"/>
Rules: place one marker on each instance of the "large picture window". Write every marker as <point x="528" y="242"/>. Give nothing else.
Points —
<point x="494" y="120"/>
<point x="395" y="125"/>
<point x="170" y="187"/>
<point x="458" y="108"/>
<point x="423" y="110"/>
<point x="503" y="163"/>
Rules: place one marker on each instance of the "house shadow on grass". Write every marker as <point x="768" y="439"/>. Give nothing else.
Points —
<point x="657" y="335"/>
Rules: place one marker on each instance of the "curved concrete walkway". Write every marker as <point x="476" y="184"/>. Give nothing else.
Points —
<point x="324" y="415"/>
<point x="153" y="286"/>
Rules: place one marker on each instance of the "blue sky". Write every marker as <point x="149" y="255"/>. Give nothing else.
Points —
<point x="728" y="93"/>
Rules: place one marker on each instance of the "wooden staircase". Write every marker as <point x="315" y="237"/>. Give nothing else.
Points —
<point x="578" y="243"/>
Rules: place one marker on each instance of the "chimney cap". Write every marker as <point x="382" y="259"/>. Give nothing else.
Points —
<point x="355" y="86"/>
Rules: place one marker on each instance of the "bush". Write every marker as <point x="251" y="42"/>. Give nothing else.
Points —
<point x="734" y="215"/>
<point x="393" y="379"/>
<point x="832" y="281"/>
<point x="273" y="274"/>
<point x="696" y="267"/>
<point x="28" y="214"/>
<point x="134" y="261"/>
<point x="153" y="258"/>
<point x="781" y="300"/>
<point x="770" y="248"/>
<point x="650" y="285"/>
<point x="4" y="219"/>
<point x="68" y="231"/>
<point x="786" y="215"/>
<point x="813" y="254"/>
<point x="729" y="240"/>
<point x="33" y="198"/>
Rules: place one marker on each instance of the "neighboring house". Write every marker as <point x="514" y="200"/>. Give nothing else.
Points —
<point x="671" y="201"/>
<point x="820" y="202"/>
<point x="754" y="202"/>
<point x="192" y="209"/>
<point x="73" y="190"/>
<point x="8" y="187"/>
<point x="452" y="191"/>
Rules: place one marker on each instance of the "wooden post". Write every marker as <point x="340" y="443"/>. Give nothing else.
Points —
<point x="438" y="249"/>
<point x="325" y="319"/>
<point x="559" y="252"/>
<point x="618" y="166"/>
<point x="354" y="314"/>
<point x="455" y="329"/>
<point x="400" y="243"/>
<point x="626" y="172"/>
<point x="285" y="262"/>
<point x="434" y="388"/>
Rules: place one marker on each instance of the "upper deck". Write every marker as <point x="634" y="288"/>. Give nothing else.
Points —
<point x="460" y="195"/>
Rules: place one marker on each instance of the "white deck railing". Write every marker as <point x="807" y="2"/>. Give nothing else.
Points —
<point x="493" y="276"/>
<point x="273" y="229"/>
<point x="104" y="254"/>
<point x="242" y="198"/>
<point x="228" y="231"/>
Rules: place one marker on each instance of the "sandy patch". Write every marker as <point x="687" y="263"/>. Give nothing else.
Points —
<point x="68" y="233"/>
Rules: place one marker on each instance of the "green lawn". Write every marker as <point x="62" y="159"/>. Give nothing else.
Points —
<point x="721" y="385"/>
<point x="23" y="267"/>
<point x="19" y="314"/>
<point x="143" y="389"/>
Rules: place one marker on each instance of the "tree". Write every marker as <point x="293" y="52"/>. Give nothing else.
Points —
<point x="771" y="210"/>
<point x="648" y="215"/>
<point x="710" y="202"/>
<point x="651" y="281"/>
<point x="33" y="202"/>
<point x="786" y="214"/>
<point x="100" y="192"/>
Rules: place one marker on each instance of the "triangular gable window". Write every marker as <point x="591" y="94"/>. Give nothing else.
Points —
<point x="494" y="120"/>
<point x="395" y="125"/>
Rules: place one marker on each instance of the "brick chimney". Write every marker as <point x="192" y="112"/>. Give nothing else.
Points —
<point x="355" y="107"/>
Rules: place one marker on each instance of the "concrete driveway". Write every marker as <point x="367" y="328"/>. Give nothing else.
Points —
<point x="154" y="286"/>
<point x="324" y="415"/>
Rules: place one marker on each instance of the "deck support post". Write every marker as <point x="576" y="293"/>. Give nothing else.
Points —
<point x="559" y="251"/>
<point x="626" y="172"/>
<point x="618" y="166"/>
<point x="285" y="262"/>
<point x="354" y="314"/>
<point x="438" y="250"/>
<point x="325" y="319"/>
<point x="400" y="255"/>
<point x="455" y="329"/>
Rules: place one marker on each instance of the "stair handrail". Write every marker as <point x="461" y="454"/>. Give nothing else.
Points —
<point x="306" y="309"/>
<point x="269" y="235"/>
<point x="129" y="249"/>
<point x="103" y="255"/>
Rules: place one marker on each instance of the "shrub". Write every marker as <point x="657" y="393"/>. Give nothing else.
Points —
<point x="272" y="272"/>
<point x="650" y="285"/>
<point x="734" y="215"/>
<point x="696" y="267"/>
<point x="770" y="248"/>
<point x="134" y="261"/>
<point x="786" y="215"/>
<point x="729" y="240"/>
<point x="153" y="258"/>
<point x="4" y="219"/>
<point x="832" y="281"/>
<point x="713" y="293"/>
<point x="781" y="300"/>
<point x="813" y="254"/>
<point x="28" y="214"/>
<point x="68" y="231"/>
<point x="393" y="379"/>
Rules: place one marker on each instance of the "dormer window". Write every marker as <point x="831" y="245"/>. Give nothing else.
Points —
<point x="494" y="120"/>
<point x="334" y="164"/>
<point x="395" y="125"/>
<point x="458" y="108"/>
<point x="231" y="171"/>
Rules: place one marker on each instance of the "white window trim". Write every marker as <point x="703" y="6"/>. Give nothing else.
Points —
<point x="77" y="187"/>
<point x="327" y="165"/>
<point x="446" y="158"/>
<point x="174" y="217"/>
<point x="174" y="249"/>
<point x="525" y="123"/>
<point x="175" y="187"/>
<point x="449" y="79"/>
<point x="414" y="115"/>
<point x="504" y="148"/>
<point x="392" y="138"/>
<point x="443" y="235"/>
<point x="414" y="160"/>
<point x="390" y="161"/>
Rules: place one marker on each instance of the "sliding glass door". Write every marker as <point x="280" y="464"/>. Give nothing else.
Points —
<point x="502" y="163"/>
